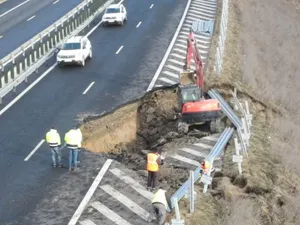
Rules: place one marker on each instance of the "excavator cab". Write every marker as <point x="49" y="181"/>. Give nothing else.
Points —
<point x="189" y="93"/>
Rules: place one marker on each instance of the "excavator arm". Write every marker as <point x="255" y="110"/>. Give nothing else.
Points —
<point x="193" y="52"/>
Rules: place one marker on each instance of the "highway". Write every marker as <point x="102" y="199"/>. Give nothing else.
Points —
<point x="124" y="62"/>
<point x="21" y="20"/>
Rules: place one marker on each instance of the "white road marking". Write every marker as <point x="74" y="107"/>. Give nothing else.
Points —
<point x="178" y="70"/>
<point x="151" y="6"/>
<point x="1" y="37"/>
<point x="119" y="50"/>
<point x="87" y="222"/>
<point x="186" y="160"/>
<point x="202" y="145"/>
<point x="88" y="88"/>
<point x="211" y="138"/>
<point x="161" y="65"/>
<point x="34" y="150"/>
<point x="126" y="201"/>
<point x="27" y="89"/>
<point x="135" y="185"/>
<point x="39" y="79"/>
<point x="193" y="152"/>
<point x="164" y="79"/>
<point x="109" y="214"/>
<point x="176" y="76"/>
<point x="90" y="193"/>
<point x="55" y="2"/>
<point x="3" y="14"/>
<point x="30" y="18"/>
<point x="138" y="24"/>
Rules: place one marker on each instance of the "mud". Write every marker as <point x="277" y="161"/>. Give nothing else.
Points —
<point x="128" y="133"/>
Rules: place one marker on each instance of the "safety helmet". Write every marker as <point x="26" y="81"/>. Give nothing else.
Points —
<point x="206" y="164"/>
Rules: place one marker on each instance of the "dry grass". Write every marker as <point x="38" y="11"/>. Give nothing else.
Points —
<point x="268" y="190"/>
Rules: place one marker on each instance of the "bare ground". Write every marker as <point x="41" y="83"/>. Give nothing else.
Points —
<point x="261" y="63"/>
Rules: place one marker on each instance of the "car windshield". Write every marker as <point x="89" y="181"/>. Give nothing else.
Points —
<point x="71" y="46"/>
<point x="113" y="10"/>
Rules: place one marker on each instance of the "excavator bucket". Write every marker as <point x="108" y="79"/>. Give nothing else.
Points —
<point x="187" y="77"/>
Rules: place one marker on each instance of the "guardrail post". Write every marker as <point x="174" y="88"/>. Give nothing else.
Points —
<point x="248" y="114"/>
<point x="177" y="220"/>
<point x="192" y="200"/>
<point x="13" y="58"/>
<point x="2" y="66"/>
<point x="246" y="132"/>
<point x="41" y="38"/>
<point x="206" y="179"/>
<point x="237" y="158"/>
<point x="233" y="100"/>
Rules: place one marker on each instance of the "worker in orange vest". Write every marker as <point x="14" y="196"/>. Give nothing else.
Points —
<point x="205" y="166"/>
<point x="154" y="159"/>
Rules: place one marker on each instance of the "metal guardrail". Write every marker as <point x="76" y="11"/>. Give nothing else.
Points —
<point x="222" y="37"/>
<point x="226" y="108"/>
<point x="20" y="50"/>
<point x="219" y="146"/>
<point x="26" y="59"/>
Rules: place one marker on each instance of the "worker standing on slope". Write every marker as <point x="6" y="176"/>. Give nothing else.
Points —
<point x="54" y="142"/>
<point x="205" y="166"/>
<point x="72" y="140"/>
<point x="80" y="142"/>
<point x="154" y="159"/>
<point x="161" y="203"/>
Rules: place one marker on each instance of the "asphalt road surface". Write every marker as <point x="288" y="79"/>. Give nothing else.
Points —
<point x="58" y="100"/>
<point x="21" y="20"/>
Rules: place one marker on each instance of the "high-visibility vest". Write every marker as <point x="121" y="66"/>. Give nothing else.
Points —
<point x="53" y="138"/>
<point x="72" y="139"/>
<point x="152" y="162"/>
<point x="160" y="197"/>
<point x="205" y="167"/>
<point x="80" y="137"/>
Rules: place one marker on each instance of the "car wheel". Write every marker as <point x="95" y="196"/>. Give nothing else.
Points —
<point x="60" y="65"/>
<point x="91" y="54"/>
<point x="104" y="24"/>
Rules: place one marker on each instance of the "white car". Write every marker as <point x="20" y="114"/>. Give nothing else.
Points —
<point x="75" y="51"/>
<point x="115" y="14"/>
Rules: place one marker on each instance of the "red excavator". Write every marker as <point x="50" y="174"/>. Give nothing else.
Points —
<point x="195" y="109"/>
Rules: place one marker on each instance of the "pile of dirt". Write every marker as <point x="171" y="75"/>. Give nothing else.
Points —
<point x="129" y="132"/>
<point x="133" y="126"/>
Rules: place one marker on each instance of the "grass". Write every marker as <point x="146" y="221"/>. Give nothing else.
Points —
<point x="267" y="192"/>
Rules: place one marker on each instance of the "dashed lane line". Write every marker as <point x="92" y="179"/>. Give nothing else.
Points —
<point x="135" y="185"/>
<point x="109" y="213"/>
<point x="55" y="2"/>
<point x="35" y="149"/>
<point x="126" y="201"/>
<point x="1" y="37"/>
<point x="138" y="24"/>
<point x="88" y="88"/>
<point x="151" y="6"/>
<point x="17" y="6"/>
<point x="30" y="18"/>
<point x="119" y="50"/>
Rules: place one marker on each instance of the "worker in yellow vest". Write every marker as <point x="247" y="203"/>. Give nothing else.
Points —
<point x="161" y="203"/>
<point x="80" y="142"/>
<point x="72" y="139"/>
<point x="54" y="142"/>
<point x="154" y="159"/>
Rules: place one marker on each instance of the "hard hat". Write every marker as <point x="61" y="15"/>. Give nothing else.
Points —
<point x="206" y="164"/>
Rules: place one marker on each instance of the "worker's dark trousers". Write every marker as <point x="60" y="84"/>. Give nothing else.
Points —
<point x="160" y="212"/>
<point x="152" y="176"/>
